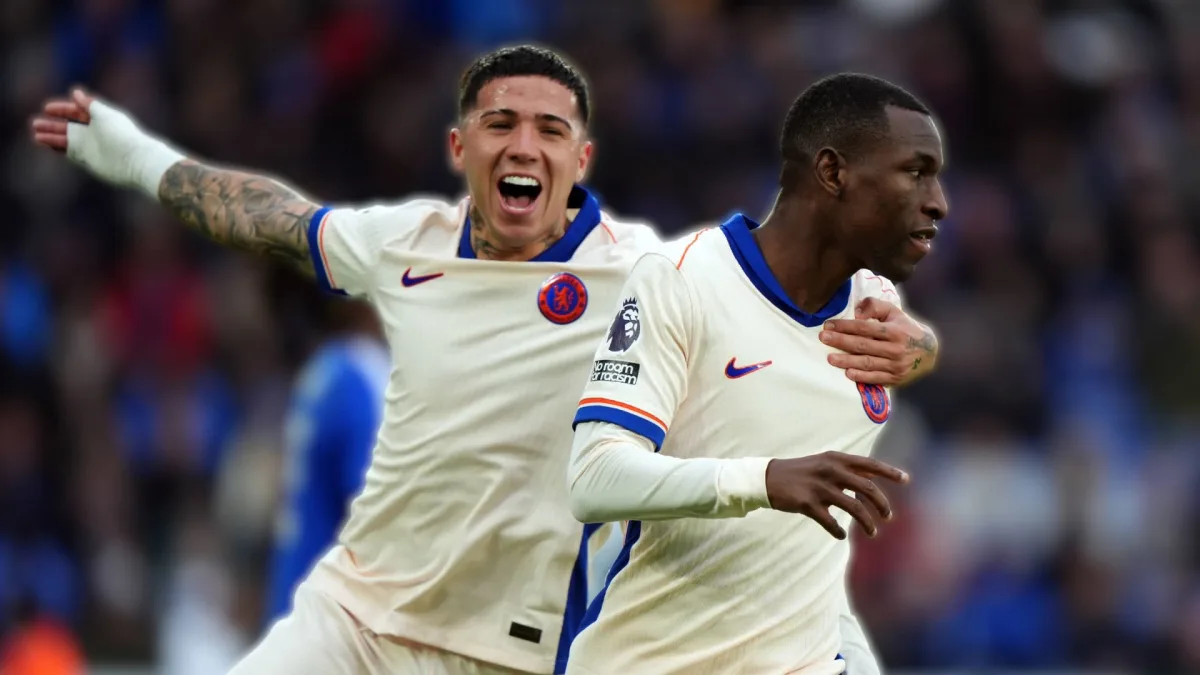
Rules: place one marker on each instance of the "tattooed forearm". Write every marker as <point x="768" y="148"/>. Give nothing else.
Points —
<point x="926" y="344"/>
<point x="241" y="210"/>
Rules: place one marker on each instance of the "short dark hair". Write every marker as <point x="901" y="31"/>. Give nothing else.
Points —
<point x="844" y="112"/>
<point x="518" y="61"/>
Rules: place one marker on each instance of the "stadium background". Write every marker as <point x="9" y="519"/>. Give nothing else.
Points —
<point x="1053" y="519"/>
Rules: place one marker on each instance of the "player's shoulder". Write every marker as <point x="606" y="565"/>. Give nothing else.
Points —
<point x="663" y="263"/>
<point x="868" y="284"/>
<point x="421" y="222"/>
<point x="636" y="234"/>
<point x="618" y="241"/>
<point x="686" y="253"/>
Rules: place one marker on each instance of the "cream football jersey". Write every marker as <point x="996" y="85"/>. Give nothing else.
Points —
<point x="461" y="539"/>
<point x="709" y="362"/>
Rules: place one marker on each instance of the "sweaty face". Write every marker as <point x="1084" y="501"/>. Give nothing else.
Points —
<point x="894" y="197"/>
<point x="521" y="149"/>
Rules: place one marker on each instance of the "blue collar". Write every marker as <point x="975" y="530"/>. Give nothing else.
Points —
<point x="577" y="230"/>
<point x="749" y="256"/>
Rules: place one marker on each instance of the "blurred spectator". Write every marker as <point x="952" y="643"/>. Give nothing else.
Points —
<point x="40" y="645"/>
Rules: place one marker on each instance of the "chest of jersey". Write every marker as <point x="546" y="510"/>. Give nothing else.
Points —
<point x="761" y="383"/>
<point x="480" y="340"/>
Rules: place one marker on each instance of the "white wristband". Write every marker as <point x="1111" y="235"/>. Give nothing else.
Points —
<point x="148" y="166"/>
<point x="113" y="148"/>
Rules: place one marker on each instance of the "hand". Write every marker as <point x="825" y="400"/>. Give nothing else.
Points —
<point x="810" y="485"/>
<point x="883" y="345"/>
<point x="50" y="128"/>
<point x="104" y="140"/>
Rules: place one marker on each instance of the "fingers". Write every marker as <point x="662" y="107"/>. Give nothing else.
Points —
<point x="868" y="329"/>
<point x="888" y="365"/>
<point x="50" y="128"/>
<point x="826" y="520"/>
<point x="855" y="508"/>
<point x="67" y="110"/>
<point x="868" y="492"/>
<point x="853" y="344"/>
<point x="876" y="515"/>
<point x="82" y="98"/>
<point x="874" y="308"/>
<point x="872" y="376"/>
<point x="45" y="125"/>
<point x="50" y="133"/>
<point x="56" y="143"/>
<point x="868" y="466"/>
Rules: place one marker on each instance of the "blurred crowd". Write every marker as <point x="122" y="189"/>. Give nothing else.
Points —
<point x="1053" y="518"/>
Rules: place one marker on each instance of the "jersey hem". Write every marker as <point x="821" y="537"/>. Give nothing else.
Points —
<point x="459" y="642"/>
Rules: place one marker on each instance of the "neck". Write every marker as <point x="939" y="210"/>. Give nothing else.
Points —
<point x="805" y="260"/>
<point x="488" y="246"/>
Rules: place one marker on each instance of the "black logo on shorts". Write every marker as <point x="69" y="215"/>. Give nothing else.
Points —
<point x="626" y="327"/>
<point x="617" y="372"/>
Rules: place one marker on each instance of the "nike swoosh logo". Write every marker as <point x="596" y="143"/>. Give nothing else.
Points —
<point x="413" y="281"/>
<point x="733" y="372"/>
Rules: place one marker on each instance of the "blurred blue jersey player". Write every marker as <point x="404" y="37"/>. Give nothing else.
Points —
<point x="330" y="430"/>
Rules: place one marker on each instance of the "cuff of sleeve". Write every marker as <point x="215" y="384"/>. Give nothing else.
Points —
<point x="743" y="483"/>
<point x="317" y="252"/>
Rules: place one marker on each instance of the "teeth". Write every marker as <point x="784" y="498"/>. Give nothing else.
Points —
<point x="521" y="180"/>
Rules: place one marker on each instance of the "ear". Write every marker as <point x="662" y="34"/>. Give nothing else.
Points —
<point x="585" y="160"/>
<point x="829" y="169"/>
<point x="456" y="150"/>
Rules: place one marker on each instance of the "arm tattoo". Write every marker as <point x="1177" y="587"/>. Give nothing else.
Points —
<point x="241" y="210"/>
<point x="926" y="343"/>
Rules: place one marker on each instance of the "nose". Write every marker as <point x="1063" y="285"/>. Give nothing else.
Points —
<point x="523" y="148"/>
<point x="935" y="202"/>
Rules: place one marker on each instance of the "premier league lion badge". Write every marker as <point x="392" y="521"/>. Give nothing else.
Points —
<point x="626" y="327"/>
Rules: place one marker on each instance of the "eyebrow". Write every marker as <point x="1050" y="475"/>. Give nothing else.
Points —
<point x="928" y="159"/>
<point x="544" y="117"/>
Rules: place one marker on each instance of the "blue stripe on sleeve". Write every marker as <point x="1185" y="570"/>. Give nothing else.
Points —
<point x="635" y="423"/>
<point x="314" y="252"/>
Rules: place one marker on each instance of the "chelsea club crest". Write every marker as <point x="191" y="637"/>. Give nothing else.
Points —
<point x="626" y="328"/>
<point x="562" y="298"/>
<point x="876" y="402"/>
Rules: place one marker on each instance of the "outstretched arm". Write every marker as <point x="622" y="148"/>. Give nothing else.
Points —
<point x="241" y="210"/>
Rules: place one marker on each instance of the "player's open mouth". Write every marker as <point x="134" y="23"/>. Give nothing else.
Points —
<point x="923" y="238"/>
<point x="518" y="194"/>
